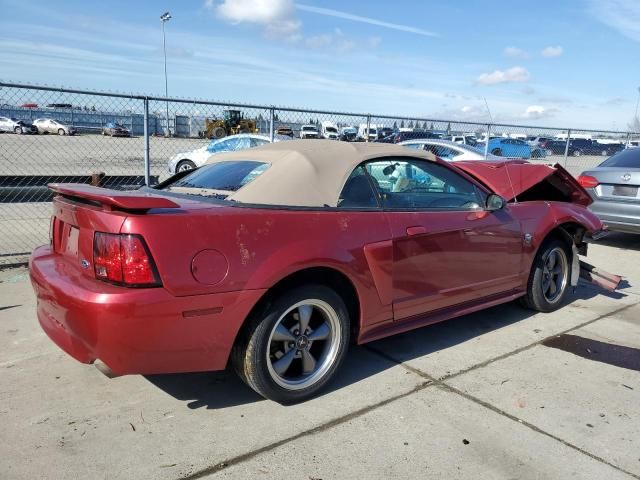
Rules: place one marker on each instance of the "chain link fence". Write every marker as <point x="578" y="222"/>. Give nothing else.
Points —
<point x="124" y="141"/>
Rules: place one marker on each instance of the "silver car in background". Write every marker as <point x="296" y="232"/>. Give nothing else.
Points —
<point x="49" y="125"/>
<point x="10" y="124"/>
<point x="614" y="187"/>
<point x="447" y="150"/>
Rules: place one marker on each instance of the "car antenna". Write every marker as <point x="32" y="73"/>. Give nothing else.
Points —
<point x="488" y="111"/>
<point x="506" y="165"/>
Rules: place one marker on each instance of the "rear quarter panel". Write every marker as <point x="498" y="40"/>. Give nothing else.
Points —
<point x="263" y="246"/>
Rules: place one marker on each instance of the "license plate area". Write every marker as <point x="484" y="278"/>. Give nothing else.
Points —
<point x="625" y="191"/>
<point x="69" y="240"/>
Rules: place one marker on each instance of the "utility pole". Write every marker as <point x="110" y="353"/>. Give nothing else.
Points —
<point x="164" y="18"/>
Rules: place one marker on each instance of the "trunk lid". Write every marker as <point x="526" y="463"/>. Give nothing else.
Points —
<point x="617" y="183"/>
<point x="79" y="211"/>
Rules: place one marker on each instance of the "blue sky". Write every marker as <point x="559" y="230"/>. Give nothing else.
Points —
<point x="549" y="62"/>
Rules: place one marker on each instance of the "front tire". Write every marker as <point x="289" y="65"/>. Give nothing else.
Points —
<point x="497" y="152"/>
<point x="577" y="153"/>
<point x="289" y="351"/>
<point x="549" y="277"/>
<point x="61" y="131"/>
<point x="17" y="131"/>
<point x="185" y="165"/>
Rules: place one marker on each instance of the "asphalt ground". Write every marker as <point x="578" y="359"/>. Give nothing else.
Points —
<point x="23" y="226"/>
<point x="500" y="394"/>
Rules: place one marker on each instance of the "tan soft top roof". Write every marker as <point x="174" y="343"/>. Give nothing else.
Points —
<point x="307" y="173"/>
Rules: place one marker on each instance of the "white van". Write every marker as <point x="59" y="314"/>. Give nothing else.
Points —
<point x="329" y="131"/>
<point x="362" y="132"/>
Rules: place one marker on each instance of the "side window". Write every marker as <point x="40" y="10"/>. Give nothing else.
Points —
<point x="415" y="146"/>
<point x="357" y="191"/>
<point x="408" y="184"/>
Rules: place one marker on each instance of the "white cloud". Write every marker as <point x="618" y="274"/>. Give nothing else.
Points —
<point x="253" y="11"/>
<point x="550" y="52"/>
<point x="515" y="52"/>
<point x="277" y="16"/>
<point x="536" y="112"/>
<point x="371" y="21"/>
<point x="513" y="74"/>
<point x="621" y="15"/>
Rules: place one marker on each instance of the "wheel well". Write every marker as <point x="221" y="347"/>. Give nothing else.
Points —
<point x="326" y="276"/>
<point x="570" y="233"/>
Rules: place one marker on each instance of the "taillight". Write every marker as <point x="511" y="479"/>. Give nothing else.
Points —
<point x="123" y="259"/>
<point x="587" y="181"/>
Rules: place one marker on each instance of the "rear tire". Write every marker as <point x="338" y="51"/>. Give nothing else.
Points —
<point x="577" y="153"/>
<point x="549" y="277"/>
<point x="604" y="153"/>
<point x="17" y="131"/>
<point x="292" y="348"/>
<point x="497" y="152"/>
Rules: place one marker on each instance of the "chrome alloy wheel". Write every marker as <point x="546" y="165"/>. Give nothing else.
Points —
<point x="555" y="274"/>
<point x="303" y="344"/>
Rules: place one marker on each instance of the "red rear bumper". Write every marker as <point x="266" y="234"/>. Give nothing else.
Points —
<point x="141" y="331"/>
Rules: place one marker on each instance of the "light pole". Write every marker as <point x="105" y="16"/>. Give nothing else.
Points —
<point x="635" y="117"/>
<point x="164" y="18"/>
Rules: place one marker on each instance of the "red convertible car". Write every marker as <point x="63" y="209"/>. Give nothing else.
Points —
<point x="274" y="259"/>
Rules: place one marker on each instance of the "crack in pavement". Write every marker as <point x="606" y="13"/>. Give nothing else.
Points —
<point x="429" y="381"/>
<point x="320" y="428"/>
<point x="440" y="383"/>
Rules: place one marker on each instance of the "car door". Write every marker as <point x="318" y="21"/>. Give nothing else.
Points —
<point x="4" y="123"/>
<point x="447" y="249"/>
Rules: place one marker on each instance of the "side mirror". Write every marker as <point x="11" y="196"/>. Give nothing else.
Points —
<point x="495" y="202"/>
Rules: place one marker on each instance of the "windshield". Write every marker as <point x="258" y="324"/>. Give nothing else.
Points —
<point x="626" y="159"/>
<point x="331" y="129"/>
<point x="309" y="128"/>
<point x="222" y="176"/>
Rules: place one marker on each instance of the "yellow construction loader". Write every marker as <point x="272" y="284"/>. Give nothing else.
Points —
<point x="232" y="122"/>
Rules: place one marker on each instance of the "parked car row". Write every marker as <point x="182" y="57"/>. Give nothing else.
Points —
<point x="44" y="126"/>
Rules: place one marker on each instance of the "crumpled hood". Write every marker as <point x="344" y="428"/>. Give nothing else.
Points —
<point x="511" y="178"/>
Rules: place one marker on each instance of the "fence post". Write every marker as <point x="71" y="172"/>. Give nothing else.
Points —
<point x="628" y="144"/>
<point x="147" y="166"/>
<point x="486" y="143"/>
<point x="368" y="126"/>
<point x="272" y="112"/>
<point x="566" y="147"/>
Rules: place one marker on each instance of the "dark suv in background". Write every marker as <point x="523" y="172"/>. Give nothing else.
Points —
<point x="583" y="146"/>
<point x="398" y="137"/>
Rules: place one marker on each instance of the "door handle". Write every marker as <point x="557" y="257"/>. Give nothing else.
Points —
<point x="417" y="230"/>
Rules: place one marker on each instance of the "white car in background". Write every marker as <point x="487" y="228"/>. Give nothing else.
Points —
<point x="196" y="158"/>
<point x="448" y="150"/>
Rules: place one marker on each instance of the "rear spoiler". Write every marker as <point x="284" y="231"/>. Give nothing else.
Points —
<point x="120" y="199"/>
